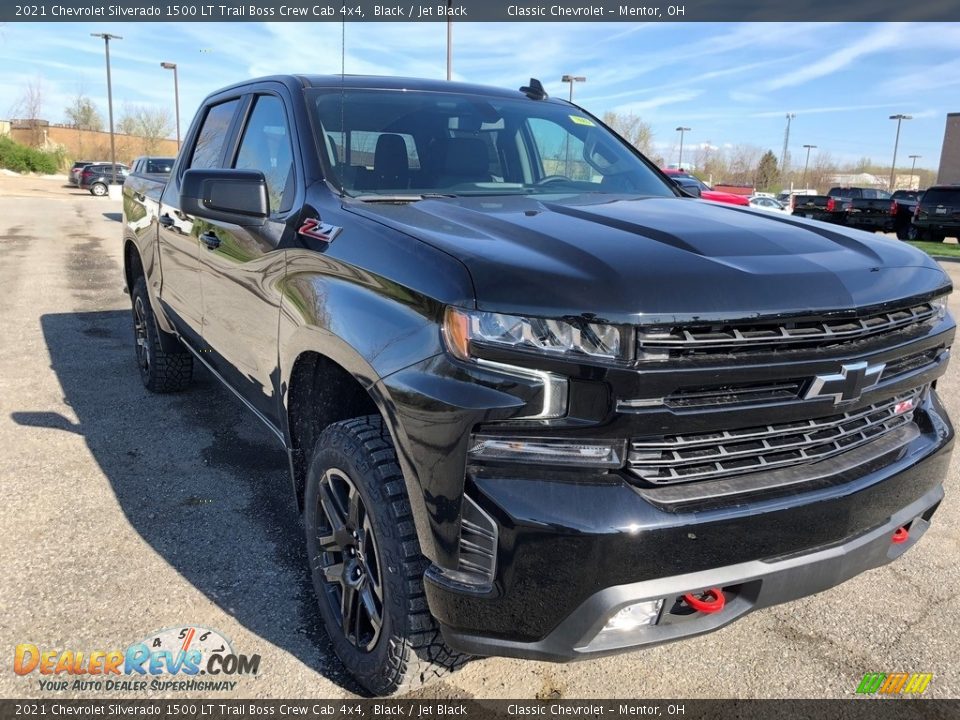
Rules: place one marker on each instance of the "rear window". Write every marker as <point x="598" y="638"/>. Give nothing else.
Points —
<point x="942" y="196"/>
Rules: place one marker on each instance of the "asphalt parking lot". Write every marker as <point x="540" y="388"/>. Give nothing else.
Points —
<point x="127" y="512"/>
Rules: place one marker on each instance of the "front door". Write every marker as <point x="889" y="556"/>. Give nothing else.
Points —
<point x="242" y="268"/>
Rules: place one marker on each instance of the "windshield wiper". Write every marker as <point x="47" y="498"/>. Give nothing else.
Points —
<point x="373" y="198"/>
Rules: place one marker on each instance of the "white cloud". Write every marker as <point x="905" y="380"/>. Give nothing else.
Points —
<point x="886" y="37"/>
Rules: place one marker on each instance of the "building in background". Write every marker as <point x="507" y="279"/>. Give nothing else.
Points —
<point x="950" y="155"/>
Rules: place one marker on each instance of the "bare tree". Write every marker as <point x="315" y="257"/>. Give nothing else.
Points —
<point x="743" y="163"/>
<point x="631" y="128"/>
<point x="83" y="114"/>
<point x="29" y="107"/>
<point x="150" y="123"/>
<point x="821" y="169"/>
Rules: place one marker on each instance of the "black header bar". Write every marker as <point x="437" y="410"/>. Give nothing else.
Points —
<point x="478" y="11"/>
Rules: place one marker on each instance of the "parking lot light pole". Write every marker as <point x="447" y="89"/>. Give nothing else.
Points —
<point x="681" y="130"/>
<point x="572" y="79"/>
<point x="806" y="164"/>
<point x="899" y="117"/>
<point x="107" y="37"/>
<point x="566" y="143"/>
<point x="913" y="168"/>
<point x="176" y="95"/>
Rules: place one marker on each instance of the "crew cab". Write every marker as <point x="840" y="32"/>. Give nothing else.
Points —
<point x="536" y="401"/>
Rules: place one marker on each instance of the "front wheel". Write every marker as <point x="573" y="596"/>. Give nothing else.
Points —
<point x="366" y="564"/>
<point x="161" y="371"/>
<point x="98" y="189"/>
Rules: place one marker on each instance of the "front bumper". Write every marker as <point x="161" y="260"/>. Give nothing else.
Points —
<point x="746" y="586"/>
<point x="575" y="550"/>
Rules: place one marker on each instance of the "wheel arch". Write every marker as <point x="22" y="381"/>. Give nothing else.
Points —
<point x="320" y="389"/>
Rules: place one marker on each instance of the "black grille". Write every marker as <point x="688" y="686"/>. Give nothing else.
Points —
<point x="665" y="343"/>
<point x="702" y="456"/>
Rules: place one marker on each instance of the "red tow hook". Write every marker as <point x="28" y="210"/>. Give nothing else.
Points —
<point x="712" y="601"/>
<point x="901" y="535"/>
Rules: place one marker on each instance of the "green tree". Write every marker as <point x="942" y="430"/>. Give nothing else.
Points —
<point x="767" y="171"/>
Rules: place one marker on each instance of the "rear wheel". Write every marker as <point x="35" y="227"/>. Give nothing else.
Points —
<point x="903" y="232"/>
<point x="98" y="189"/>
<point x="916" y="234"/>
<point x="161" y="371"/>
<point x="366" y="564"/>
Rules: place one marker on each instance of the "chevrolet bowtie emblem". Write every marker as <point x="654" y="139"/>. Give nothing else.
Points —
<point x="846" y="385"/>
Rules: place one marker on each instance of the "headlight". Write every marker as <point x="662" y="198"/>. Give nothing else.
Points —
<point x="555" y="337"/>
<point x="939" y="304"/>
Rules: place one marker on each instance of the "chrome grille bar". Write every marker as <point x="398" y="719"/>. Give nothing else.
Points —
<point x="653" y="343"/>
<point x="699" y="456"/>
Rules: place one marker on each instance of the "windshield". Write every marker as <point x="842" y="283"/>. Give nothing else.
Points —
<point x="942" y="196"/>
<point x="407" y="143"/>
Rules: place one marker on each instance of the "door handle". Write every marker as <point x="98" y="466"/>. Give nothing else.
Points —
<point x="166" y="220"/>
<point x="210" y="239"/>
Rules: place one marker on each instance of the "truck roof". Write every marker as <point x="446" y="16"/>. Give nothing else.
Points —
<point x="380" y="82"/>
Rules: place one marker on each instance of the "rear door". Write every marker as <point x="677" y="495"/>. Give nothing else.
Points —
<point x="241" y="267"/>
<point x="181" y="293"/>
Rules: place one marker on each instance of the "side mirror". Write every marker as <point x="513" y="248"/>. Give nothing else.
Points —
<point x="238" y="197"/>
<point x="688" y="190"/>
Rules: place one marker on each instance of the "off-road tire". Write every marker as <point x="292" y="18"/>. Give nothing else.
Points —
<point x="160" y="371"/>
<point x="409" y="650"/>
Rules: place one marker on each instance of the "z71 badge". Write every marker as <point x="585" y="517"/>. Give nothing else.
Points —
<point x="314" y="228"/>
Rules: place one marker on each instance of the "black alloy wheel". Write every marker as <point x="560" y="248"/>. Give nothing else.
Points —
<point x="349" y="560"/>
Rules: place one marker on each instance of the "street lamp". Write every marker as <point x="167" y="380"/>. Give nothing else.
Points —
<point x="176" y="95"/>
<point x="107" y="37"/>
<point x="899" y="117"/>
<point x="681" y="130"/>
<point x="807" y="164"/>
<point x="913" y="168"/>
<point x="572" y="79"/>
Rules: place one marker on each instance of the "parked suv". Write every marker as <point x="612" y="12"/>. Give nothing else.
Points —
<point x="78" y="166"/>
<point x="937" y="215"/>
<point x="96" y="177"/>
<point x="536" y="401"/>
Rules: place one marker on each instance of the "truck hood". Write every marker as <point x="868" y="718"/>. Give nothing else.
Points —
<point x="631" y="260"/>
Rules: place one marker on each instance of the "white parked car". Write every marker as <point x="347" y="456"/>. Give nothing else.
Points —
<point x="761" y="202"/>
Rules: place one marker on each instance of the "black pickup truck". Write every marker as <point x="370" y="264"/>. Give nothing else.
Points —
<point x="536" y="402"/>
<point x="861" y="208"/>
<point x="937" y="214"/>
<point x="903" y="205"/>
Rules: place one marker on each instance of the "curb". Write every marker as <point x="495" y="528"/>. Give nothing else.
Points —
<point x="946" y="258"/>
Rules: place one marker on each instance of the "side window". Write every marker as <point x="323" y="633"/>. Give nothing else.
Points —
<point x="213" y="134"/>
<point x="266" y="147"/>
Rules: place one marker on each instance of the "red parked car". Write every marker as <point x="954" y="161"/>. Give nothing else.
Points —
<point x="685" y="179"/>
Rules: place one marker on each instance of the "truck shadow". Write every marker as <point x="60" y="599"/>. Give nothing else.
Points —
<point x="201" y="481"/>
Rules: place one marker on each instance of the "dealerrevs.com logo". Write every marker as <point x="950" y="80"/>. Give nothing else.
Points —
<point x="188" y="658"/>
<point x="899" y="683"/>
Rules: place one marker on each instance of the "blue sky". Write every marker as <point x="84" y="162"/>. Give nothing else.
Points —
<point x="731" y="83"/>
